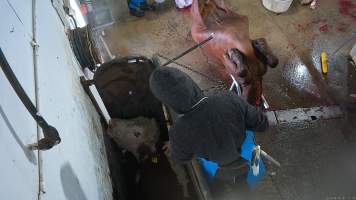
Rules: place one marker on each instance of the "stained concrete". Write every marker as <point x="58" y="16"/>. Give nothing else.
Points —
<point x="317" y="160"/>
<point x="297" y="37"/>
<point x="317" y="157"/>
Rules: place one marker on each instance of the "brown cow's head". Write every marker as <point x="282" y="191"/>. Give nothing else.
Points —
<point x="245" y="59"/>
<point x="251" y="77"/>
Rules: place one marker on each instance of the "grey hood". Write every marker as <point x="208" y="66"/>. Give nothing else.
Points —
<point x="175" y="89"/>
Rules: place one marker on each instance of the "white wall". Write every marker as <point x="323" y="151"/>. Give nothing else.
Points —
<point x="18" y="165"/>
<point x="75" y="169"/>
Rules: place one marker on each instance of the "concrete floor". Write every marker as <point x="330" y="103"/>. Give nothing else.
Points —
<point x="297" y="37"/>
<point x="318" y="162"/>
<point x="317" y="158"/>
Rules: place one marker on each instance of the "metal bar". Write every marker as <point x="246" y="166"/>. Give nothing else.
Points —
<point x="235" y="84"/>
<point x="199" y="180"/>
<point x="265" y="103"/>
<point x="106" y="47"/>
<point x="91" y="90"/>
<point x="189" y="50"/>
<point x="268" y="157"/>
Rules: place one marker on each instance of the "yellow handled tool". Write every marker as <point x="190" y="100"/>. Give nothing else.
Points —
<point x="324" y="64"/>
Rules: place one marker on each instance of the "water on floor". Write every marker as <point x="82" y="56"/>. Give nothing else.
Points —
<point x="317" y="158"/>
<point x="297" y="37"/>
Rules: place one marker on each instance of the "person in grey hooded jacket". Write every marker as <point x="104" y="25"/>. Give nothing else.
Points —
<point x="211" y="127"/>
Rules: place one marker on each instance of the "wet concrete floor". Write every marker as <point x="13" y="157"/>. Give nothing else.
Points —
<point x="297" y="37"/>
<point x="318" y="162"/>
<point x="318" y="158"/>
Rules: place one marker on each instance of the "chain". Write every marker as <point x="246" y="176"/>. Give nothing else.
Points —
<point x="216" y="88"/>
<point x="219" y="82"/>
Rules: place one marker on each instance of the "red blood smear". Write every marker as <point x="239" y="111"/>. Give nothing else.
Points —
<point x="304" y="27"/>
<point x="347" y="8"/>
<point x="324" y="28"/>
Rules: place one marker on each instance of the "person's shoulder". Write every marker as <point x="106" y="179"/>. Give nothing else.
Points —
<point x="226" y="96"/>
<point x="178" y="125"/>
<point x="221" y="94"/>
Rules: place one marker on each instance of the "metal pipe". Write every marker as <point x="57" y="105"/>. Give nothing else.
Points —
<point x="199" y="180"/>
<point x="235" y="84"/>
<point x="268" y="157"/>
<point x="35" y="71"/>
<point x="189" y="50"/>
<point x="265" y="103"/>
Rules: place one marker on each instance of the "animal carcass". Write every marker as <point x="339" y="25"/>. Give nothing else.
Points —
<point x="242" y="57"/>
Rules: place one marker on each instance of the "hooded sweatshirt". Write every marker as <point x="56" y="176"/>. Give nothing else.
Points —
<point x="212" y="127"/>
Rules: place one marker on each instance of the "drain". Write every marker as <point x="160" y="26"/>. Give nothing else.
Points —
<point x="313" y="118"/>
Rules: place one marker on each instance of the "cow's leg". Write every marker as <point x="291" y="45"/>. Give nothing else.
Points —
<point x="264" y="52"/>
<point x="195" y="13"/>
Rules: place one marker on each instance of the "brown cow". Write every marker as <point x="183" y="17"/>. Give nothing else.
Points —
<point x="242" y="57"/>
